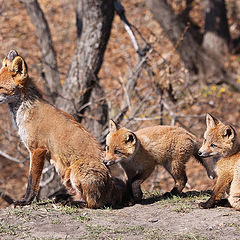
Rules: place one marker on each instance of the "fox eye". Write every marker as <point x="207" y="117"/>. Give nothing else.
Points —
<point x="116" y="152"/>
<point x="213" y="145"/>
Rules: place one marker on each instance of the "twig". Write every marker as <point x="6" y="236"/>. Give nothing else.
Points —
<point x="48" y="180"/>
<point x="121" y="12"/>
<point x="46" y="169"/>
<point x="6" y="198"/>
<point x="10" y="157"/>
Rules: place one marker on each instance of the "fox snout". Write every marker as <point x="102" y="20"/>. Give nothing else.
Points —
<point x="108" y="162"/>
<point x="204" y="154"/>
<point x="111" y="162"/>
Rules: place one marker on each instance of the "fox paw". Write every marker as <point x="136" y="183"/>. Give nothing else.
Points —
<point x="206" y="205"/>
<point x="21" y="203"/>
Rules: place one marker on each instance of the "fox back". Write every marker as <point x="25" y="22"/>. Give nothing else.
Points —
<point x="138" y="152"/>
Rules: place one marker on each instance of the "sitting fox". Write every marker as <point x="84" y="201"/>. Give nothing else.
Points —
<point x="49" y="133"/>
<point x="139" y="152"/>
<point x="221" y="140"/>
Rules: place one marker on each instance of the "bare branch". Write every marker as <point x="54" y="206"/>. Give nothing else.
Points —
<point x="48" y="53"/>
<point x="6" y="197"/>
<point x="121" y="12"/>
<point x="49" y="179"/>
<point x="10" y="157"/>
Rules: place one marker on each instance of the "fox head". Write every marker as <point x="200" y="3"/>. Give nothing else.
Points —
<point x="121" y="144"/>
<point x="220" y="140"/>
<point x="13" y="77"/>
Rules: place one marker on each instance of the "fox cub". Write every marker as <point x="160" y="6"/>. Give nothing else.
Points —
<point x="49" y="133"/>
<point x="221" y="140"/>
<point x="139" y="152"/>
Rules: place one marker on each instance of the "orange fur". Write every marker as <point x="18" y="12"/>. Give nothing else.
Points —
<point x="48" y="132"/>
<point x="138" y="153"/>
<point x="221" y="140"/>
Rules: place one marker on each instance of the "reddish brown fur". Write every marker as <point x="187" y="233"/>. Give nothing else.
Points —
<point x="139" y="152"/>
<point x="51" y="133"/>
<point x="220" y="140"/>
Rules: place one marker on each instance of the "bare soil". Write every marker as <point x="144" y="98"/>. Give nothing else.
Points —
<point x="153" y="218"/>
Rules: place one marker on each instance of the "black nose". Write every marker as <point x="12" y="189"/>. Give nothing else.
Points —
<point x="105" y="162"/>
<point x="199" y="153"/>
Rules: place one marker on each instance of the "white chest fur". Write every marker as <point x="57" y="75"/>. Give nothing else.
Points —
<point x="21" y="118"/>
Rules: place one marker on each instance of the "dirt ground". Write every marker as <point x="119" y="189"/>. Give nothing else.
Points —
<point x="153" y="218"/>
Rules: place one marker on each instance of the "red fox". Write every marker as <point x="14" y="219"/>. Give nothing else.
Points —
<point x="139" y="152"/>
<point x="49" y="133"/>
<point x="221" y="140"/>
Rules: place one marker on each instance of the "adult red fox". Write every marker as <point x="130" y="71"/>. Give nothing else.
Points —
<point x="49" y="133"/>
<point x="221" y="140"/>
<point x="138" y="153"/>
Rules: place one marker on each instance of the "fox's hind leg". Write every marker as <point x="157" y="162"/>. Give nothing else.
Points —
<point x="234" y="196"/>
<point x="178" y="172"/>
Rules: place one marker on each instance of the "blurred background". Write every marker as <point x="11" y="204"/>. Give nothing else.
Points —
<point x="141" y="63"/>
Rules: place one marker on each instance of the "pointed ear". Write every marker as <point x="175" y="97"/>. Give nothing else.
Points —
<point x="229" y="132"/>
<point x="211" y="121"/>
<point x="11" y="55"/>
<point x="19" y="66"/>
<point x="113" y="127"/>
<point x="130" y="138"/>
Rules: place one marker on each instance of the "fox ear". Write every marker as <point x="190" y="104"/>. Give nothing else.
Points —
<point x="113" y="126"/>
<point x="211" y="121"/>
<point x="229" y="132"/>
<point x="17" y="65"/>
<point x="130" y="138"/>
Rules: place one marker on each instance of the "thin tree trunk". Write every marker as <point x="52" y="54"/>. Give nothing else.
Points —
<point x="51" y="74"/>
<point x="98" y="112"/>
<point x="95" y="18"/>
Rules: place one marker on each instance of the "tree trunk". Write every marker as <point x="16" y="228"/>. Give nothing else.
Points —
<point x="216" y="37"/>
<point x="94" y="21"/>
<point x="98" y="113"/>
<point x="51" y="74"/>
<point x="206" y="65"/>
<point x="174" y="27"/>
<point x="95" y="18"/>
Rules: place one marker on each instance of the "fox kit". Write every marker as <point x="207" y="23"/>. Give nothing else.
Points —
<point x="139" y="152"/>
<point x="221" y="140"/>
<point x="49" y="133"/>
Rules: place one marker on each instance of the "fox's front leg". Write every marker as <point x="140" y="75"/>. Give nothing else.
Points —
<point x="37" y="158"/>
<point x="223" y="182"/>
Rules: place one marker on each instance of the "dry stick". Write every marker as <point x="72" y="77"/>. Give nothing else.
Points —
<point x="140" y="105"/>
<point x="176" y="116"/>
<point x="49" y="179"/>
<point x="128" y="27"/>
<point x="142" y="58"/>
<point x="10" y="157"/>
<point x="49" y="59"/>
<point x="131" y="83"/>
<point x="6" y="198"/>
